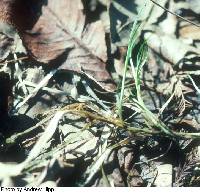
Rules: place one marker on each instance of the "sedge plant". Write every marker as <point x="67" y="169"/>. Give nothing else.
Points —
<point x="152" y="121"/>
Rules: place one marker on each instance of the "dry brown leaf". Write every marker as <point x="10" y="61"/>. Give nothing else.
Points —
<point x="190" y="32"/>
<point x="173" y="50"/>
<point x="57" y="29"/>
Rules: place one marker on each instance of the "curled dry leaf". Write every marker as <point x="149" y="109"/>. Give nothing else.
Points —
<point x="57" y="29"/>
<point x="167" y="46"/>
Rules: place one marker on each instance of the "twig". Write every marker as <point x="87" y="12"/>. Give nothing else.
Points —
<point x="36" y="89"/>
<point x="51" y="90"/>
<point x="14" y="60"/>
<point x="13" y="139"/>
<point x="184" y="19"/>
<point x="158" y="157"/>
<point x="194" y="84"/>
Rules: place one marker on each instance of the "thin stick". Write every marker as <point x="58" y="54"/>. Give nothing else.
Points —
<point x="14" y="60"/>
<point x="36" y="89"/>
<point x="184" y="19"/>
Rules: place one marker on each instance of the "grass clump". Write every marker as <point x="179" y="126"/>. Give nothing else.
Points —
<point x="152" y="121"/>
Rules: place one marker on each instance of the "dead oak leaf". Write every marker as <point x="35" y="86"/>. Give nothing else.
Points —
<point x="57" y="29"/>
